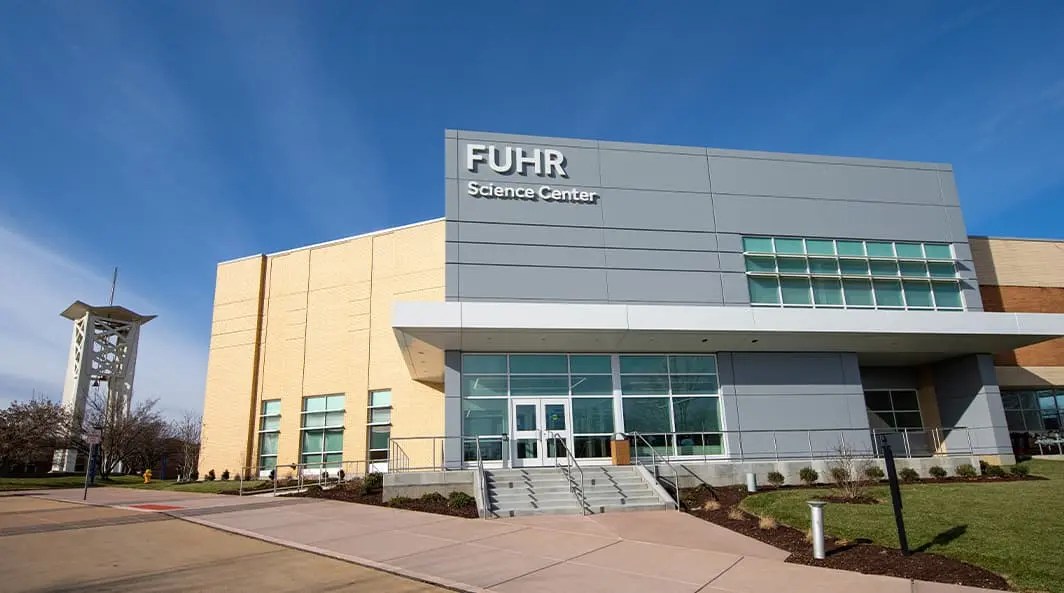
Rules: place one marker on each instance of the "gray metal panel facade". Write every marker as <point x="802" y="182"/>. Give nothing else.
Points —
<point x="668" y="224"/>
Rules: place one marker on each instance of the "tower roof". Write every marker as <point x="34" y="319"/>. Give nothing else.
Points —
<point x="78" y="309"/>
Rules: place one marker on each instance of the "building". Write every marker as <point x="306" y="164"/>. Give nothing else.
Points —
<point x="713" y="305"/>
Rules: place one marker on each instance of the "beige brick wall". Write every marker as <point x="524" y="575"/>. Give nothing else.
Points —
<point x="1018" y="262"/>
<point x="325" y="327"/>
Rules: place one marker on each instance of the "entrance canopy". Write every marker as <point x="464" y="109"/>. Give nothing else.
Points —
<point x="426" y="329"/>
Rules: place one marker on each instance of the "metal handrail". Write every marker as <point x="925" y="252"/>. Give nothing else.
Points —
<point x="483" y="481"/>
<point x="571" y="463"/>
<point x="320" y="477"/>
<point x="654" y="455"/>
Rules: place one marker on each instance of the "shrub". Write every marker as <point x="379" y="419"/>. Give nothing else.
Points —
<point x="194" y="475"/>
<point x="966" y="470"/>
<point x="458" y="500"/>
<point x="225" y="474"/>
<point x="776" y="478"/>
<point x="808" y="475"/>
<point x="767" y="523"/>
<point x="983" y="465"/>
<point x="711" y="505"/>
<point x="937" y="472"/>
<point x="995" y="471"/>
<point x="399" y="501"/>
<point x="433" y="497"/>
<point x="874" y="473"/>
<point x="1020" y="471"/>
<point x="838" y="474"/>
<point x="908" y="474"/>
<point x="735" y="514"/>
<point x="210" y="476"/>
<point x="373" y="482"/>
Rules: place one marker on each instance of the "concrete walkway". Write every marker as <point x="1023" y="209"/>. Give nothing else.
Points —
<point x="644" y="552"/>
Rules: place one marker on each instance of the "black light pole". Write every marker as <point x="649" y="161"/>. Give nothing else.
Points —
<point x="895" y="494"/>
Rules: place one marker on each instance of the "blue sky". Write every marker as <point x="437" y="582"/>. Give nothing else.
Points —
<point x="217" y="130"/>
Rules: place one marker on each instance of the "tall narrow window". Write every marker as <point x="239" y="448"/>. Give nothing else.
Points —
<point x="269" y="432"/>
<point x="322" y="442"/>
<point x="379" y="424"/>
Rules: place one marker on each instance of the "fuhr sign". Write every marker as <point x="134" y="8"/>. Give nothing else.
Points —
<point x="511" y="160"/>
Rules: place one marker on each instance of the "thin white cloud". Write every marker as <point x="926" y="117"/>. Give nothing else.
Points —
<point x="39" y="283"/>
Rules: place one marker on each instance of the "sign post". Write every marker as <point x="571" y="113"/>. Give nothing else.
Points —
<point x="895" y="494"/>
<point x="93" y="440"/>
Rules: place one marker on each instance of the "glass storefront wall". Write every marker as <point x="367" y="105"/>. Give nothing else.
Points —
<point x="671" y="400"/>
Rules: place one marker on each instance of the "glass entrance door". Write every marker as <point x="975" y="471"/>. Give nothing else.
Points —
<point x="541" y="431"/>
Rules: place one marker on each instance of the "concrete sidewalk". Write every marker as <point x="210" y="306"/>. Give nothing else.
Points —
<point x="645" y="552"/>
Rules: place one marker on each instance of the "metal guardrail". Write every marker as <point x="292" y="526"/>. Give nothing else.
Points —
<point x="654" y="463"/>
<point x="426" y="453"/>
<point x="571" y="462"/>
<point x="294" y="477"/>
<point x="483" y="482"/>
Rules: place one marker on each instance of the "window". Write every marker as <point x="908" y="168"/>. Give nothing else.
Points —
<point x="797" y="272"/>
<point x="893" y="408"/>
<point x="269" y="432"/>
<point x="322" y="439"/>
<point x="379" y="424"/>
<point x="672" y="394"/>
<point x="1034" y="410"/>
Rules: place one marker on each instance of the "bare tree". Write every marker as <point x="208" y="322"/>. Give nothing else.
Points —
<point x="848" y="468"/>
<point x="127" y="438"/>
<point x="32" y="430"/>
<point x="186" y="431"/>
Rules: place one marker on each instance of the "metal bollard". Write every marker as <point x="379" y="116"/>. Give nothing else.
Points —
<point x="816" y="508"/>
<point x="751" y="482"/>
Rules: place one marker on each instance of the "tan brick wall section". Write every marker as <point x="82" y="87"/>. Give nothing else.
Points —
<point x="1023" y="276"/>
<point x="325" y="328"/>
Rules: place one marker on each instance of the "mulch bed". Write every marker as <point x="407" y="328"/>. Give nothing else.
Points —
<point x="859" y="556"/>
<point x="351" y="491"/>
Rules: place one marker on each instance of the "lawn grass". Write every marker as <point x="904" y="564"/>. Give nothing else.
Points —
<point x="1015" y="529"/>
<point x="48" y="482"/>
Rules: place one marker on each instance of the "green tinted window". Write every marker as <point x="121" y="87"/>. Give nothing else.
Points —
<point x="791" y="265"/>
<point x="827" y="291"/>
<point x="942" y="269"/>
<point x="593" y="415"/>
<point x="646" y="414"/>
<point x="795" y="291"/>
<point x="590" y="364"/>
<point x="696" y="414"/>
<point x="909" y="250"/>
<point x="913" y="269"/>
<point x="820" y="247"/>
<point x="851" y="247"/>
<point x="918" y="294"/>
<point x="879" y="249"/>
<point x="646" y="364"/>
<point x="947" y="295"/>
<point x="691" y="364"/>
<point x="937" y="251"/>
<point x="591" y="384"/>
<point x="854" y="267"/>
<point x="484" y="363"/>
<point x="760" y="264"/>
<point x="884" y="268"/>
<point x="789" y="246"/>
<point x="888" y="293"/>
<point x="538" y="363"/>
<point x="757" y="244"/>
<point x="483" y="385"/>
<point x="824" y="266"/>
<point x="858" y="292"/>
<point x="763" y="290"/>
<point x="271" y="407"/>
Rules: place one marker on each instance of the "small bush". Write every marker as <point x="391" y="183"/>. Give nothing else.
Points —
<point x="767" y="523"/>
<point x="711" y="505"/>
<point x="983" y="465"/>
<point x="458" y="500"/>
<point x="937" y="472"/>
<point x="873" y="472"/>
<point x="995" y="471"/>
<point x="373" y="482"/>
<point x="210" y="476"/>
<point x="225" y="475"/>
<point x="433" y="497"/>
<point x="776" y="478"/>
<point x="808" y="475"/>
<point x="839" y="474"/>
<point x="194" y="476"/>
<point x="399" y="501"/>
<point x="1020" y="471"/>
<point x="735" y="514"/>
<point x="966" y="470"/>
<point x="908" y="474"/>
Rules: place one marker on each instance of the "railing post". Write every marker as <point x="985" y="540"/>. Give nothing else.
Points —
<point x="775" y="448"/>
<point x="741" y="455"/>
<point x="971" y="448"/>
<point x="875" y="445"/>
<point x="908" y="449"/>
<point x="809" y="439"/>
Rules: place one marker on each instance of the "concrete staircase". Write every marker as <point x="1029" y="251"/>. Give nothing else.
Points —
<point x="541" y="491"/>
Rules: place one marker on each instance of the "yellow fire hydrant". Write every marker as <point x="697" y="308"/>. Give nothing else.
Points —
<point x="147" y="476"/>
